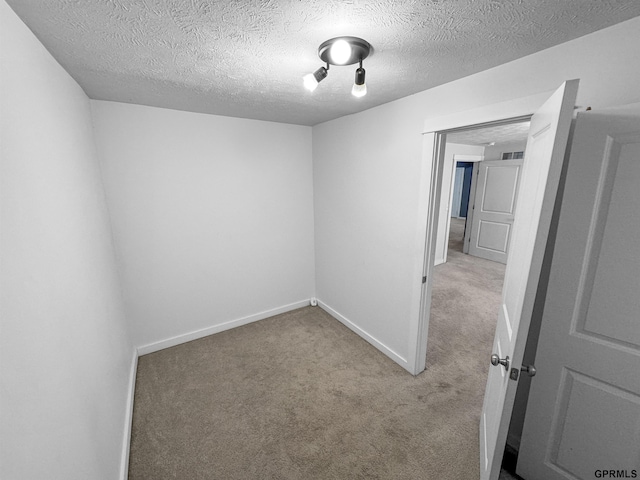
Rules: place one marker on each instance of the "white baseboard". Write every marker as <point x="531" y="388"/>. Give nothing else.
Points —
<point x="170" y="342"/>
<point x="221" y="327"/>
<point x="187" y="337"/>
<point x="126" y="440"/>
<point x="366" y="336"/>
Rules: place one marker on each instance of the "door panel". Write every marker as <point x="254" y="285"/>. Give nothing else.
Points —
<point x="589" y="411"/>
<point x="500" y="187"/>
<point x="494" y="209"/>
<point x="493" y="236"/>
<point x="546" y="146"/>
<point x="616" y="271"/>
<point x="583" y="412"/>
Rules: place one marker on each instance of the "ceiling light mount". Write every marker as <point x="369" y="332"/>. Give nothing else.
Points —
<point x="344" y="50"/>
<point x="341" y="51"/>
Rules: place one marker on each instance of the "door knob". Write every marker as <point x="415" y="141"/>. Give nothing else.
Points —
<point x="530" y="369"/>
<point x="496" y="360"/>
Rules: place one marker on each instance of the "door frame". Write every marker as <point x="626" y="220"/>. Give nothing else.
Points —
<point x="457" y="157"/>
<point x="435" y="186"/>
<point x="434" y="141"/>
<point x="471" y="211"/>
<point x="458" y="179"/>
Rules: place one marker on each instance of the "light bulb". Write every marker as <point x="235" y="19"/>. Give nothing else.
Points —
<point x="359" y="90"/>
<point x="359" y="87"/>
<point x="340" y="52"/>
<point x="310" y="82"/>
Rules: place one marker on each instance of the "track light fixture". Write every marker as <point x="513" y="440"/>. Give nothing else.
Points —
<point x="341" y="51"/>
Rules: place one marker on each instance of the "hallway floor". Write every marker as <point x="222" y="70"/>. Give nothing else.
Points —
<point x="453" y="271"/>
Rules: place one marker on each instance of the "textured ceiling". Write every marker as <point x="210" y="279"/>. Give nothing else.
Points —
<point x="246" y="58"/>
<point x="498" y="134"/>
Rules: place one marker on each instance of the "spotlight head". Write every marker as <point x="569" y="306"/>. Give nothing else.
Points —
<point x="359" y="87"/>
<point x="312" y="80"/>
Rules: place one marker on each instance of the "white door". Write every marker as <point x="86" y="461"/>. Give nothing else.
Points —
<point x="583" y="413"/>
<point x="494" y="209"/>
<point x="546" y="146"/>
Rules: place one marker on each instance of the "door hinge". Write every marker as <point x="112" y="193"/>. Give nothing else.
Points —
<point x="424" y="279"/>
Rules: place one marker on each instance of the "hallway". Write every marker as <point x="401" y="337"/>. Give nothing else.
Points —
<point x="465" y="301"/>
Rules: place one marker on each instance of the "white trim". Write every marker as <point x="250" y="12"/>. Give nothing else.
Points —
<point x="128" y="419"/>
<point x="434" y="143"/>
<point x="221" y="327"/>
<point x="171" y="342"/>
<point x="458" y="157"/>
<point x="489" y="113"/>
<point x="366" y="336"/>
<point x="472" y="200"/>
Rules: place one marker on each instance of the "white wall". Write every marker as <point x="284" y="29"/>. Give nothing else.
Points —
<point x="65" y="352"/>
<point x="212" y="218"/>
<point x="495" y="152"/>
<point x="448" y="171"/>
<point x="368" y="171"/>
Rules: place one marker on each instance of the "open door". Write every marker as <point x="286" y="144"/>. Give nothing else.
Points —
<point x="583" y="414"/>
<point x="546" y="144"/>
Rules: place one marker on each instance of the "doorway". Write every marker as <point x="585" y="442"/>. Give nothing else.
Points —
<point x="461" y="189"/>
<point x="546" y="145"/>
<point x="467" y="289"/>
<point x="492" y="153"/>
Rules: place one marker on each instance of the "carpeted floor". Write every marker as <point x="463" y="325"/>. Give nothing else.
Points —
<point x="299" y="396"/>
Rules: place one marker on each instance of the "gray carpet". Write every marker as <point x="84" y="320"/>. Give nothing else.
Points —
<point x="299" y="396"/>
